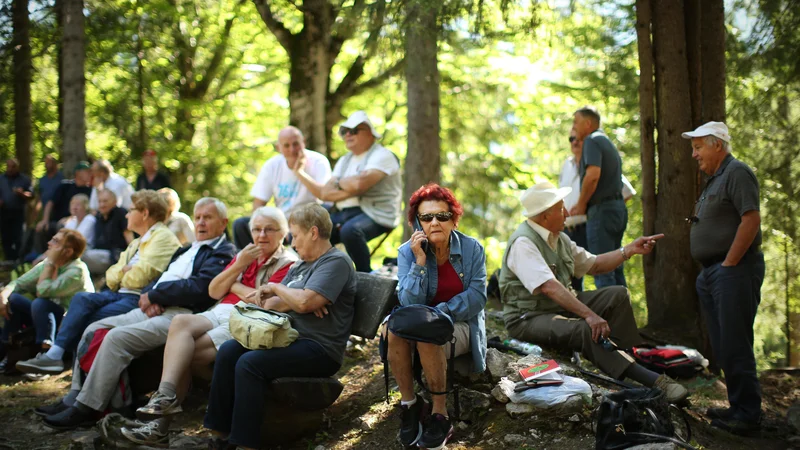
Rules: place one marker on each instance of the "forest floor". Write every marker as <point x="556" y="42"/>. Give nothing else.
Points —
<point x="361" y="419"/>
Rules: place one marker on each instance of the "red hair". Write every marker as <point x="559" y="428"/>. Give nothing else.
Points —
<point x="434" y="192"/>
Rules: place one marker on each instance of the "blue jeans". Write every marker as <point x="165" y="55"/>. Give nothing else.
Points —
<point x="241" y="379"/>
<point x="730" y="297"/>
<point x="354" y="229"/>
<point x="88" y="307"/>
<point x="578" y="235"/>
<point x="604" y="229"/>
<point x="36" y="314"/>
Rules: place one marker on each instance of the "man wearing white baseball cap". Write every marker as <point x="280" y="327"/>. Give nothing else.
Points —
<point x="538" y="306"/>
<point x="726" y="240"/>
<point x="365" y="187"/>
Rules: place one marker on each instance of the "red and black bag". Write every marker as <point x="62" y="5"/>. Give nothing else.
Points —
<point x="672" y="362"/>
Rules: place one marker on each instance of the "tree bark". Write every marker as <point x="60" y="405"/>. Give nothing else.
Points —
<point x="74" y="122"/>
<point x="674" y="304"/>
<point x="21" y="47"/>
<point x="647" y="128"/>
<point x="694" y="57"/>
<point x="423" y="157"/>
<point x="712" y="49"/>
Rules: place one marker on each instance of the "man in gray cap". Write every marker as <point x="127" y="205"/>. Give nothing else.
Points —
<point x="726" y="240"/>
<point x="365" y="187"/>
<point x="539" y="307"/>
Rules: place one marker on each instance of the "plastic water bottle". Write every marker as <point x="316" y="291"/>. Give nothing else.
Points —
<point x="524" y="347"/>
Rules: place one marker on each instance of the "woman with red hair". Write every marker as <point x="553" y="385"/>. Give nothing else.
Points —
<point x="444" y="268"/>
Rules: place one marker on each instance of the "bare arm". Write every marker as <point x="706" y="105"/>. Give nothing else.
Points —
<point x="302" y="301"/>
<point x="611" y="260"/>
<point x="361" y="183"/>
<point x="225" y="281"/>
<point x="747" y="231"/>
<point x="258" y="203"/>
<point x="588" y="186"/>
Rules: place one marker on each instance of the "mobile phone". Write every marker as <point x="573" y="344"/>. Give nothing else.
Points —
<point x="418" y="227"/>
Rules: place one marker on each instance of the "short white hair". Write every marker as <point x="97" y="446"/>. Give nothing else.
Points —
<point x="222" y="210"/>
<point x="272" y="213"/>
<point x="711" y="140"/>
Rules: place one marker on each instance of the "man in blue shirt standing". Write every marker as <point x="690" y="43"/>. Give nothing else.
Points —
<point x="15" y="190"/>
<point x="51" y="179"/>
<point x="601" y="192"/>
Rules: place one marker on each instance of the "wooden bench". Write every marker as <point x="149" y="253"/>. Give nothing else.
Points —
<point x="295" y="405"/>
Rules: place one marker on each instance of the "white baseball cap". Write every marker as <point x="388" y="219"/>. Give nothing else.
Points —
<point x="717" y="129"/>
<point x="541" y="196"/>
<point x="358" y="118"/>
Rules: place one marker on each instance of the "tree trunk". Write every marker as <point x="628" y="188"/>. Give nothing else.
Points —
<point x="74" y="123"/>
<point x="141" y="144"/>
<point x="423" y="156"/>
<point x="647" y="127"/>
<point x="712" y="49"/>
<point x="23" y="134"/>
<point x="674" y="304"/>
<point x="694" y="57"/>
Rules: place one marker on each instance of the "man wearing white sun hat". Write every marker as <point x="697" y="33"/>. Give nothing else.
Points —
<point x="538" y="306"/>
<point x="726" y="240"/>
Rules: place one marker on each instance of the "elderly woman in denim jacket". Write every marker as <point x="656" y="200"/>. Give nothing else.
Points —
<point x="444" y="268"/>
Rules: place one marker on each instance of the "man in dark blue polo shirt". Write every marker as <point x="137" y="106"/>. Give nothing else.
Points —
<point x="15" y="190"/>
<point x="726" y="240"/>
<point x="601" y="192"/>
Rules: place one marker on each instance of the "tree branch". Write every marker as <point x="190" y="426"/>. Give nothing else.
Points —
<point x="219" y="53"/>
<point x="282" y="34"/>
<point x="379" y="79"/>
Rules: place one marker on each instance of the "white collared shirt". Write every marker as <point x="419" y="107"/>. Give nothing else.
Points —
<point x="181" y="268"/>
<point x="527" y="262"/>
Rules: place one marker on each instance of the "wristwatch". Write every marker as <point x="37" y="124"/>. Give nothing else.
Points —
<point x="336" y="184"/>
<point x="625" y="256"/>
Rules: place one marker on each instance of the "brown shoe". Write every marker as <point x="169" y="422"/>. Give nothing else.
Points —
<point x="673" y="391"/>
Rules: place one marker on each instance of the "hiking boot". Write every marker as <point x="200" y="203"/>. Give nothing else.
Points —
<point x="41" y="364"/>
<point x="71" y="418"/>
<point x="719" y="413"/>
<point x="150" y="433"/>
<point x="411" y="423"/>
<point x="436" y="431"/>
<point x="674" y="392"/>
<point x="737" y="426"/>
<point x="159" y="405"/>
<point x="50" y="410"/>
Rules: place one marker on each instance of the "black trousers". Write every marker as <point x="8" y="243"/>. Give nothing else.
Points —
<point x="11" y="223"/>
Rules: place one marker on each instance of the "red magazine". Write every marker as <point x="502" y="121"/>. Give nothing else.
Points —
<point x="539" y="370"/>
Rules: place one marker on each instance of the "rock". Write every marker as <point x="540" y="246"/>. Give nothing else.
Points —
<point x="462" y="426"/>
<point x="84" y="440"/>
<point x="793" y="417"/>
<point x="574" y="418"/>
<point x="497" y="363"/>
<point x="515" y="366"/>
<point x="319" y="447"/>
<point x="499" y="395"/>
<point x="183" y="442"/>
<point x="536" y="434"/>
<point x="519" y="409"/>
<point x="573" y="405"/>
<point x="515" y="440"/>
<point x="473" y="403"/>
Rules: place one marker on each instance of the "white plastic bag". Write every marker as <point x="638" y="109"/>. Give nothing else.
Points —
<point x="548" y="396"/>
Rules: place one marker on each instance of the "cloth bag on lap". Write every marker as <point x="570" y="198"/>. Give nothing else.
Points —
<point x="257" y="328"/>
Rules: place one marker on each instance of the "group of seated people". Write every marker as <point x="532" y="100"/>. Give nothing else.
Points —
<point x="163" y="294"/>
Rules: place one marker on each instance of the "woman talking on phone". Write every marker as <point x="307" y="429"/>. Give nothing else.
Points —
<point x="444" y="268"/>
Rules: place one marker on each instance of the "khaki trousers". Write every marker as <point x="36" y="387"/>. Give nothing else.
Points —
<point x="568" y="331"/>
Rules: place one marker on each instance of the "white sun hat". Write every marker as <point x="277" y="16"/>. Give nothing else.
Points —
<point x="541" y="196"/>
<point x="358" y="118"/>
<point x="717" y="129"/>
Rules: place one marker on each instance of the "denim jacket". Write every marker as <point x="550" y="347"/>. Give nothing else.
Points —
<point x="418" y="285"/>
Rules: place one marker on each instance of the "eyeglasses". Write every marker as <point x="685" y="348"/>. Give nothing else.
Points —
<point x="344" y="131"/>
<point x="257" y="231"/>
<point x="573" y="139"/>
<point x="444" y="216"/>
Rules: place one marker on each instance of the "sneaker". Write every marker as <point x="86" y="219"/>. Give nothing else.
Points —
<point x="719" y="413"/>
<point x="436" y="431"/>
<point x="148" y="434"/>
<point x="71" y="418"/>
<point x="50" y="410"/>
<point x="35" y="376"/>
<point x="410" y="423"/>
<point x="673" y="391"/>
<point x="158" y="406"/>
<point x="739" y="427"/>
<point x="41" y="364"/>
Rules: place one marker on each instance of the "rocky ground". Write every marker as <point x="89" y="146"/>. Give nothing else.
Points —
<point x="361" y="419"/>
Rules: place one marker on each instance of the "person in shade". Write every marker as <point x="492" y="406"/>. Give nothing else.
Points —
<point x="150" y="177"/>
<point x="194" y="340"/>
<point x="318" y="293"/>
<point x="47" y="184"/>
<point x="58" y="206"/>
<point x="539" y="307"/>
<point x="51" y="283"/>
<point x="726" y="240"/>
<point x="15" y="191"/>
<point x="81" y="220"/>
<point x="444" y="268"/>
<point x="111" y="235"/>
<point x="181" y="290"/>
<point x="104" y="177"/>
<point x="177" y="222"/>
<point x="142" y="262"/>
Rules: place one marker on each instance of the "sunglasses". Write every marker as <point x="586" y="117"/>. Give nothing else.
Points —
<point x="344" y="131"/>
<point x="572" y="139"/>
<point x="440" y="216"/>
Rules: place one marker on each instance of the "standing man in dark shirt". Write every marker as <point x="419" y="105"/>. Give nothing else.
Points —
<point x="15" y="190"/>
<point x="111" y="235"/>
<point x="151" y="177"/>
<point x="726" y="240"/>
<point x="58" y="206"/>
<point x="50" y="181"/>
<point x="601" y="192"/>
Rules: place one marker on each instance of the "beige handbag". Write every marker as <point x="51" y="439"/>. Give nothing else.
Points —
<point x="258" y="328"/>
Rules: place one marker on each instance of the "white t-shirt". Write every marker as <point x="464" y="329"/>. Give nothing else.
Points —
<point x="120" y="187"/>
<point x="381" y="159"/>
<point x="86" y="227"/>
<point x="570" y="176"/>
<point x="276" y="180"/>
